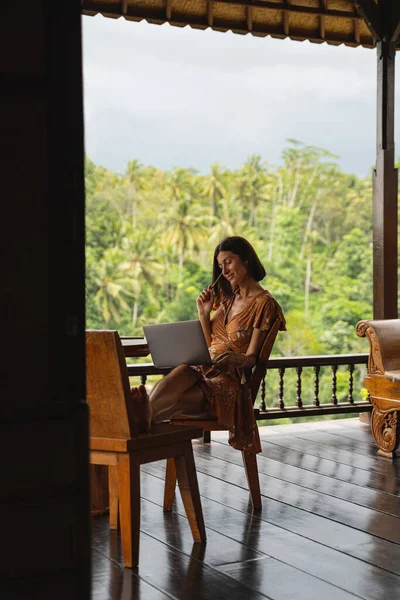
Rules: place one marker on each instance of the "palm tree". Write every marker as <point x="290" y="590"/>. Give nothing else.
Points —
<point x="214" y="189"/>
<point x="230" y="221"/>
<point x="186" y="231"/>
<point x="253" y="186"/>
<point x="142" y="262"/>
<point x="114" y="287"/>
<point x="181" y="183"/>
<point x="303" y="167"/>
<point x="136" y="180"/>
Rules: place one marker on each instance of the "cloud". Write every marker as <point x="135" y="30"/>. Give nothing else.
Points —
<point x="171" y="96"/>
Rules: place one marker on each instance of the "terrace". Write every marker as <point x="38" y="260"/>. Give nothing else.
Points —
<point x="329" y="525"/>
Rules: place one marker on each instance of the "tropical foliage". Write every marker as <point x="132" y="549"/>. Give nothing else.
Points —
<point x="151" y="236"/>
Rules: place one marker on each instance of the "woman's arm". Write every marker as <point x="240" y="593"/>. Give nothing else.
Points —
<point x="205" y="302"/>
<point x="256" y="343"/>
<point x="247" y="360"/>
<point x="205" y="322"/>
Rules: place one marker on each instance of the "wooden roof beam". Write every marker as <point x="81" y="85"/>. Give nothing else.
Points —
<point x="168" y="9"/>
<point x="293" y="8"/>
<point x="356" y="26"/>
<point x="210" y="13"/>
<point x="371" y="13"/>
<point x="395" y="21"/>
<point x="93" y="7"/>
<point x="356" y="30"/>
<point x="286" y="17"/>
<point x="249" y="17"/>
<point x="324" y="6"/>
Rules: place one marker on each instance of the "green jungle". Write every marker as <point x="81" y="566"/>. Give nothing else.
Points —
<point x="151" y="234"/>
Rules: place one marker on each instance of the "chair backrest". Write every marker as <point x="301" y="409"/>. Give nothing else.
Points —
<point x="107" y="387"/>
<point x="259" y="370"/>
<point x="388" y="333"/>
<point x="384" y="339"/>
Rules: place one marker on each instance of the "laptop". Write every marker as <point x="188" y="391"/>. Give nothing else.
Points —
<point x="173" y="344"/>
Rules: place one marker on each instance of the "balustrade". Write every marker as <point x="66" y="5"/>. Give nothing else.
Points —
<point x="288" y="398"/>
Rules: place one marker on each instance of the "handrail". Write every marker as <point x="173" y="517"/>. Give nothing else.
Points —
<point x="281" y="364"/>
<point x="318" y="360"/>
<point x="272" y="363"/>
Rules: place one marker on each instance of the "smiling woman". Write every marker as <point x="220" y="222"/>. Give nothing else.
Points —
<point x="235" y="318"/>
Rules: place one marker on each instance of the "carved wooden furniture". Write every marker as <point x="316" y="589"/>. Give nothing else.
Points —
<point x="383" y="381"/>
<point x="209" y="423"/>
<point x="114" y="442"/>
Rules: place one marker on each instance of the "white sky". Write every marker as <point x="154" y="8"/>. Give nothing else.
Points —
<point x="182" y="97"/>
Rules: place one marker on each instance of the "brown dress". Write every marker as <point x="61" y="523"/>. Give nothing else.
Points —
<point x="227" y="392"/>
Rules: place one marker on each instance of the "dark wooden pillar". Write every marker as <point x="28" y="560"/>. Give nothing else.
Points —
<point x="383" y="19"/>
<point x="385" y="251"/>
<point x="44" y="491"/>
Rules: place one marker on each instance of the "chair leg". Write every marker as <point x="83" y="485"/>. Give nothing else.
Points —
<point x="250" y="466"/>
<point x="170" y="484"/>
<point x="129" y="507"/>
<point x="189" y="488"/>
<point x="113" y="496"/>
<point x="206" y="437"/>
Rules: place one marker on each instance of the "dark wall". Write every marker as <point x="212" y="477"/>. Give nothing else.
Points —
<point x="44" y="499"/>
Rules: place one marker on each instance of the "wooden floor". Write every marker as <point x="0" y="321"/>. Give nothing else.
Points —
<point x="329" y="527"/>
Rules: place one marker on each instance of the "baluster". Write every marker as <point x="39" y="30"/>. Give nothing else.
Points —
<point x="262" y="406"/>
<point x="368" y="396"/>
<point x="143" y="379"/>
<point x="350" y="396"/>
<point x="316" y="385"/>
<point x="299" y="401"/>
<point x="281" y="387"/>
<point x="334" y="381"/>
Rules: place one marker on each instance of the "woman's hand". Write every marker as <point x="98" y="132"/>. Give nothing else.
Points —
<point x="205" y="302"/>
<point x="228" y="360"/>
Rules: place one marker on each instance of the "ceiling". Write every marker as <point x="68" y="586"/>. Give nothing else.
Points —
<point x="331" y="21"/>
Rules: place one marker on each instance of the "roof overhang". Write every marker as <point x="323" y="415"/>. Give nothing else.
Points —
<point x="331" y="21"/>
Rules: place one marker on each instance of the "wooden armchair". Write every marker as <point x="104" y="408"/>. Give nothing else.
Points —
<point x="209" y="423"/>
<point x="383" y="381"/>
<point x="115" y="442"/>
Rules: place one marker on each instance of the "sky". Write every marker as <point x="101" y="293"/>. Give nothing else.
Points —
<point x="171" y="96"/>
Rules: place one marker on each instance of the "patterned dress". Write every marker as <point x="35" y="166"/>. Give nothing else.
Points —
<point x="228" y="394"/>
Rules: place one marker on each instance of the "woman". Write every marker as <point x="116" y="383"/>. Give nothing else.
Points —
<point x="235" y="324"/>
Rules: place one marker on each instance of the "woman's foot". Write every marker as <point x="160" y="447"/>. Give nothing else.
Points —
<point x="142" y="408"/>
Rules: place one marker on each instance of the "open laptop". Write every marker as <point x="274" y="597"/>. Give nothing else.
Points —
<point x="173" y="344"/>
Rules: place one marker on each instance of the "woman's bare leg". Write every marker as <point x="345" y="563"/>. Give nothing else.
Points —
<point x="176" y="392"/>
<point x="169" y="390"/>
<point x="191" y="402"/>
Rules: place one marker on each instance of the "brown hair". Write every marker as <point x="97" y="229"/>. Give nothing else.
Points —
<point x="242" y="248"/>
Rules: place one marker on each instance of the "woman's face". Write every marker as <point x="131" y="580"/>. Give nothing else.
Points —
<point x="232" y="267"/>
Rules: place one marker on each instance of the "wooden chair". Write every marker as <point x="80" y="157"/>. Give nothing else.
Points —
<point x="115" y="442"/>
<point x="383" y="381"/>
<point x="209" y="423"/>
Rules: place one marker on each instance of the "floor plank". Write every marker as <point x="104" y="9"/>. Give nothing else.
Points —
<point x="111" y="581"/>
<point x="356" y="494"/>
<point x="179" y="575"/>
<point x="353" y="433"/>
<point x="369" y="463"/>
<point x="351" y="542"/>
<point x="247" y="531"/>
<point x="328" y="438"/>
<point x="329" y="527"/>
<point x="330" y="468"/>
<point x="346" y="513"/>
